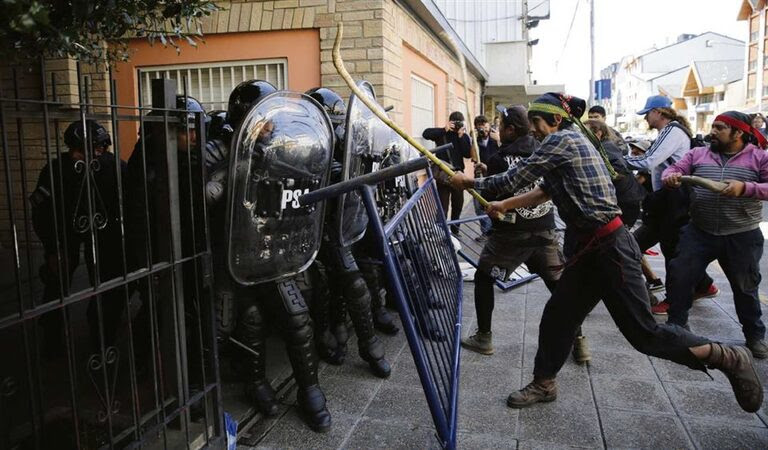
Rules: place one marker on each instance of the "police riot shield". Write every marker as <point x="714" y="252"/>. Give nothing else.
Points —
<point x="282" y="150"/>
<point x="362" y="149"/>
<point x="392" y="194"/>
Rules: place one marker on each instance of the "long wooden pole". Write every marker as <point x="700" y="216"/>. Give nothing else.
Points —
<point x="338" y="62"/>
<point x="475" y="150"/>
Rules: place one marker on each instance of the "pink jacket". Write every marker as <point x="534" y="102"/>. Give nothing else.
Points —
<point x="717" y="214"/>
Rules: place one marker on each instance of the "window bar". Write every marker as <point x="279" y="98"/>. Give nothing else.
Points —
<point x="210" y="83"/>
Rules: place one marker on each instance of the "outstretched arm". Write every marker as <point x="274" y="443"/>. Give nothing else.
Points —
<point x="534" y="197"/>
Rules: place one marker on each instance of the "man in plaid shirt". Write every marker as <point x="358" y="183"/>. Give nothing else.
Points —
<point x="603" y="259"/>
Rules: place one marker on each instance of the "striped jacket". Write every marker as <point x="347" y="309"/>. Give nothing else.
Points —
<point x="721" y="215"/>
<point x="671" y="144"/>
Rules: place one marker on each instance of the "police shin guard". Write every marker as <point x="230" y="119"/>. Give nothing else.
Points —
<point x="382" y="319"/>
<point x="339" y="327"/>
<point x="251" y="333"/>
<point x="319" y="299"/>
<point x="370" y="347"/>
<point x="301" y="353"/>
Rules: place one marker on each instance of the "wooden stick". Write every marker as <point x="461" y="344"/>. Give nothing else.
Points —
<point x="339" y="64"/>
<point x="714" y="186"/>
<point x="475" y="149"/>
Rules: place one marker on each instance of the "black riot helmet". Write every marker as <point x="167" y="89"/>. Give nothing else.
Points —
<point x="332" y="103"/>
<point x="243" y="96"/>
<point x="74" y="136"/>
<point x="192" y="106"/>
<point x="216" y="125"/>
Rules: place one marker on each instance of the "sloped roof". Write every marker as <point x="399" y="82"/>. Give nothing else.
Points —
<point x="715" y="73"/>
<point x="688" y="40"/>
<point x="747" y="7"/>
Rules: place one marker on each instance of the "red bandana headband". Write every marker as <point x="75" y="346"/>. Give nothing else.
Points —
<point x="746" y="128"/>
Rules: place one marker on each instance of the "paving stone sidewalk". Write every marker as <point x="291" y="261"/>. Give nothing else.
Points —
<point x="623" y="399"/>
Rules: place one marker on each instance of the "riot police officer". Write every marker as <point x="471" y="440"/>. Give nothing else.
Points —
<point x="281" y="300"/>
<point x="75" y="207"/>
<point x="338" y="259"/>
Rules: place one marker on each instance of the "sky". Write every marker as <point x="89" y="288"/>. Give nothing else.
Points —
<point x="622" y="27"/>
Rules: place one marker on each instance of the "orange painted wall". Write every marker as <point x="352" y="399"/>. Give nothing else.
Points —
<point x="416" y="64"/>
<point x="300" y="47"/>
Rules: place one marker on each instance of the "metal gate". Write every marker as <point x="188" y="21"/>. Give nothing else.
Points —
<point x="106" y="322"/>
<point x="424" y="275"/>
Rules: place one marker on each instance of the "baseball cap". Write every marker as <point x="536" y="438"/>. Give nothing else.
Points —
<point x="655" y="101"/>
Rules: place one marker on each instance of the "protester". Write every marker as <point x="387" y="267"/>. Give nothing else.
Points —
<point x="488" y="146"/>
<point x="530" y="239"/>
<point x="725" y="226"/>
<point x="628" y="191"/>
<point x="597" y="112"/>
<point x="665" y="212"/>
<point x="603" y="259"/>
<point x="454" y="133"/>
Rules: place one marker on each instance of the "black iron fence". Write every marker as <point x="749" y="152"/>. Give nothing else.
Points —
<point x="106" y="325"/>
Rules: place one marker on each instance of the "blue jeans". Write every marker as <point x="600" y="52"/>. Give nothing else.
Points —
<point x="485" y="222"/>
<point x="738" y="254"/>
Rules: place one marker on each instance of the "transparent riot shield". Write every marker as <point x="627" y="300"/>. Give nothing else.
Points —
<point x="282" y="150"/>
<point x="363" y="148"/>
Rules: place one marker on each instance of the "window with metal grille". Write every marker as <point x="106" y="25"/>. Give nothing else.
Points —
<point x="212" y="83"/>
<point x="422" y="108"/>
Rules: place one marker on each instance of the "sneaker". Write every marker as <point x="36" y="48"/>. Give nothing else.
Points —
<point x="661" y="308"/>
<point x="535" y="392"/>
<point x="655" y="285"/>
<point x="479" y="343"/>
<point x="481" y="238"/>
<point x="758" y="348"/>
<point x="581" y="350"/>
<point x="711" y="291"/>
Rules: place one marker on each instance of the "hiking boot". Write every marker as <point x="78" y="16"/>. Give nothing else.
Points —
<point x="758" y="348"/>
<point x="711" y="291"/>
<point x="736" y="363"/>
<point x="479" y="343"/>
<point x="541" y="391"/>
<point x="581" y="350"/>
<point x="661" y="308"/>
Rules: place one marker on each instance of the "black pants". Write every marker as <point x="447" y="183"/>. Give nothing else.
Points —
<point x="738" y="254"/>
<point x="503" y="254"/>
<point x="609" y="271"/>
<point x="648" y="235"/>
<point x="453" y="198"/>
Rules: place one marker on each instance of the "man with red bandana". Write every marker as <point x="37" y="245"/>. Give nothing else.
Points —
<point x="725" y="226"/>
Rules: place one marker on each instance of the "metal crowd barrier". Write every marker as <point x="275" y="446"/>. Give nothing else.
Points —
<point x="424" y="275"/>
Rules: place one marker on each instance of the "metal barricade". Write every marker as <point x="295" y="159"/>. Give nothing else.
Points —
<point x="424" y="275"/>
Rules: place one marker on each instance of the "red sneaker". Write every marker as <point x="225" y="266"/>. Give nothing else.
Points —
<point x="660" y="309"/>
<point x="711" y="291"/>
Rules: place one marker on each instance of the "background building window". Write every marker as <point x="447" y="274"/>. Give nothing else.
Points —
<point x="212" y="83"/>
<point x="422" y="108"/>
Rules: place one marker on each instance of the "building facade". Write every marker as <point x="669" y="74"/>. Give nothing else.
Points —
<point x="663" y="71"/>
<point x="756" y="54"/>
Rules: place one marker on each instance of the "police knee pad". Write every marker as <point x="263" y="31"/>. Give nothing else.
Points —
<point x="250" y="318"/>
<point x="298" y="329"/>
<point x="356" y="292"/>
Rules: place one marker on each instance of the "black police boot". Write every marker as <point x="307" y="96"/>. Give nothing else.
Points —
<point x="369" y="346"/>
<point x="261" y="393"/>
<point x="253" y="362"/>
<point x="313" y="410"/>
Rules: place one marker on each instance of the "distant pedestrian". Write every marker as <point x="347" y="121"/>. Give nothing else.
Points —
<point x="597" y="112"/>
<point x="488" y="146"/>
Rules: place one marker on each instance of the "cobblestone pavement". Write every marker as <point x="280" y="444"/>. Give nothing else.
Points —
<point x="622" y="399"/>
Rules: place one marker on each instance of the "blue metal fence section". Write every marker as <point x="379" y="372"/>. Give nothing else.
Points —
<point x="426" y="281"/>
<point x="425" y="276"/>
